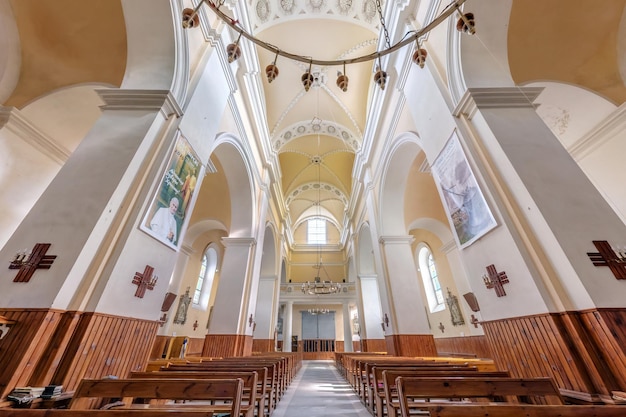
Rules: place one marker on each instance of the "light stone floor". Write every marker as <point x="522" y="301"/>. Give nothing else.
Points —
<point x="318" y="390"/>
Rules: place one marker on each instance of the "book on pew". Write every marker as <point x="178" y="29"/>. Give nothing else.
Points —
<point x="25" y="395"/>
<point x="51" y="391"/>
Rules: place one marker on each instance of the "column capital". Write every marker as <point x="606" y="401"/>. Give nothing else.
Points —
<point x="187" y="249"/>
<point x="238" y="241"/>
<point x="396" y="240"/>
<point x="151" y="100"/>
<point x="366" y="277"/>
<point x="503" y="97"/>
<point x="15" y="121"/>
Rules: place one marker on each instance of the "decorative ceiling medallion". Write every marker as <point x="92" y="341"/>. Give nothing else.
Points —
<point x="263" y="10"/>
<point x="287" y="6"/>
<point x="315" y="5"/>
<point x="344" y="6"/>
<point x="369" y="10"/>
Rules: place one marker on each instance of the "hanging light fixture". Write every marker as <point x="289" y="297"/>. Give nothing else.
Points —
<point x="316" y="311"/>
<point x="317" y="286"/>
<point x="465" y="24"/>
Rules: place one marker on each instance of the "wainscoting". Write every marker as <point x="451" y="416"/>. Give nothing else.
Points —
<point x="476" y="346"/>
<point x="582" y="351"/>
<point x="57" y="347"/>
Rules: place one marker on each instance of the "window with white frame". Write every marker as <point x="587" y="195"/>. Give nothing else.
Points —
<point x="204" y="284"/>
<point x="430" y="279"/>
<point x="316" y="232"/>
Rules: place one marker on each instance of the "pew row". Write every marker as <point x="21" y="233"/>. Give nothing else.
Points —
<point x="525" y="410"/>
<point x="125" y="412"/>
<point x="419" y="393"/>
<point x="216" y="396"/>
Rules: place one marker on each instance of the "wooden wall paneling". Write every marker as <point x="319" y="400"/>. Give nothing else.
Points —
<point x="51" y="357"/>
<point x="227" y="345"/>
<point x="467" y="345"/>
<point x="608" y="328"/>
<point x="262" y="345"/>
<point x="590" y="359"/>
<point x="106" y="345"/>
<point x="374" y="345"/>
<point x="21" y="349"/>
<point x="411" y="345"/>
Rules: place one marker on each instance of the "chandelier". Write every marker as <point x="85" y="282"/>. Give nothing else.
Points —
<point x="319" y="287"/>
<point x="316" y="311"/>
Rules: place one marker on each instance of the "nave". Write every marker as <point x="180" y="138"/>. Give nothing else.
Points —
<point x="319" y="390"/>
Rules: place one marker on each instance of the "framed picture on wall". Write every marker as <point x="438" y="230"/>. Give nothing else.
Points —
<point x="170" y="207"/>
<point x="464" y="202"/>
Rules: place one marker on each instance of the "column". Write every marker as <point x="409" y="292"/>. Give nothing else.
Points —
<point x="553" y="213"/>
<point x="264" y="315"/>
<point x="287" y="326"/>
<point x="347" y="328"/>
<point x="89" y="214"/>
<point x="406" y="325"/>
<point x="370" y="317"/>
<point x="230" y="331"/>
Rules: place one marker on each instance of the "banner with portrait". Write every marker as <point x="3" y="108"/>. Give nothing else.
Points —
<point x="464" y="202"/>
<point x="169" y="209"/>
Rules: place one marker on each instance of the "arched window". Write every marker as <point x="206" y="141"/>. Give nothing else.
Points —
<point x="316" y="232"/>
<point x="204" y="283"/>
<point x="430" y="279"/>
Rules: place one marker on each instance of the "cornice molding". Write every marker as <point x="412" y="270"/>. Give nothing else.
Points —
<point x="14" y="120"/>
<point x="500" y="97"/>
<point x="611" y="126"/>
<point x="238" y="241"/>
<point x="448" y="246"/>
<point x="396" y="240"/>
<point x="147" y="100"/>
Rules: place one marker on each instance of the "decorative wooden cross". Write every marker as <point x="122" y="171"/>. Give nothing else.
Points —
<point x="606" y="256"/>
<point x="27" y="264"/>
<point x="386" y="320"/>
<point x="195" y="325"/>
<point x="474" y="321"/>
<point x="442" y="327"/>
<point x="495" y="280"/>
<point x="144" y="281"/>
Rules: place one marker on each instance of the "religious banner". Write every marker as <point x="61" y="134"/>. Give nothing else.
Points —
<point x="464" y="202"/>
<point x="169" y="209"/>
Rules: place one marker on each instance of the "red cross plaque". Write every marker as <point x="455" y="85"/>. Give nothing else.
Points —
<point x="145" y="281"/>
<point x="28" y="263"/>
<point x="606" y="256"/>
<point x="495" y="280"/>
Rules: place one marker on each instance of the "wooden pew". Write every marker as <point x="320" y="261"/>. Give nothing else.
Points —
<point x="40" y="412"/>
<point x="516" y="390"/>
<point x="387" y="398"/>
<point x="249" y="400"/>
<point x="524" y="410"/>
<point x="91" y="393"/>
<point x="268" y="377"/>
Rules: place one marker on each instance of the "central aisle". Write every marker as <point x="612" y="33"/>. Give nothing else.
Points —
<point x="318" y="391"/>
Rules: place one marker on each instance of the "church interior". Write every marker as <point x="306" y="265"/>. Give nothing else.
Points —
<point x="223" y="179"/>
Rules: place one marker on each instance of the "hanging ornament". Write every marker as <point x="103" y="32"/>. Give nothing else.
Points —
<point x="271" y="71"/>
<point x="233" y="50"/>
<point x="342" y="79"/>
<point x="419" y="56"/>
<point x="191" y="19"/>
<point x="307" y="79"/>
<point x="466" y="23"/>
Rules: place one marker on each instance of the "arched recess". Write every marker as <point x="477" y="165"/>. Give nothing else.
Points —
<point x="238" y="172"/>
<point x="396" y="168"/>
<point x="270" y="260"/>
<point x="365" y="264"/>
